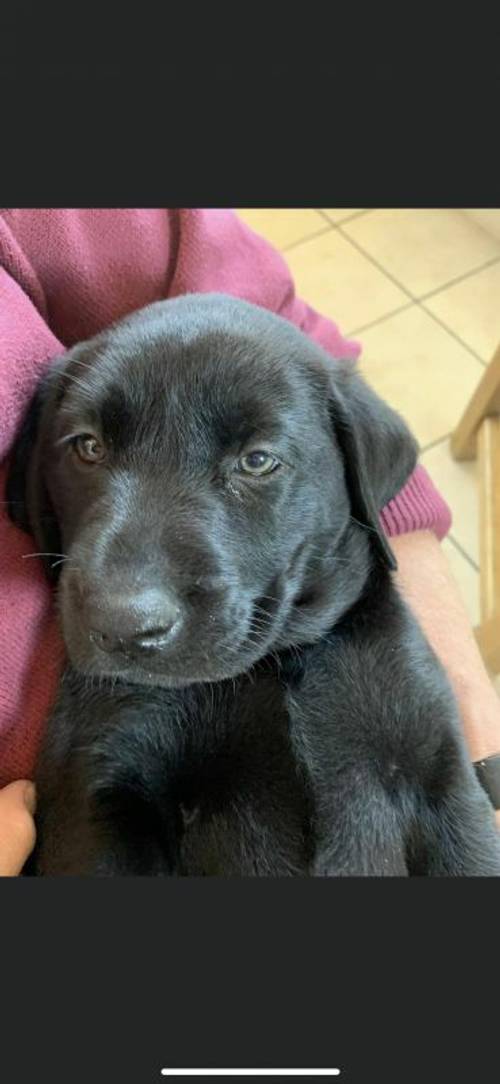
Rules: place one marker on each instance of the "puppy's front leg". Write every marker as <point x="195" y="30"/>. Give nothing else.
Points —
<point x="114" y="831"/>
<point x="357" y="828"/>
<point x="358" y="832"/>
<point x="105" y="794"/>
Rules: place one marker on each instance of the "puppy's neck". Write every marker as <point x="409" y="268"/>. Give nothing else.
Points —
<point x="333" y="583"/>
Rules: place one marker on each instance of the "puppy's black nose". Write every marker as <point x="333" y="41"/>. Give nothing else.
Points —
<point x="135" y="624"/>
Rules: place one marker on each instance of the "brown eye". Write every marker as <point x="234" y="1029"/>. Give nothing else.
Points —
<point x="88" y="448"/>
<point x="258" y="463"/>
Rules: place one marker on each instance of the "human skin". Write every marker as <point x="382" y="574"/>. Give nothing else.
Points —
<point x="427" y="584"/>
<point x="17" y="827"/>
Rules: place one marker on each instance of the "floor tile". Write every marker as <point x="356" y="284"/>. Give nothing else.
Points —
<point x="423" y="249"/>
<point x="340" y="283"/>
<point x="471" y="309"/>
<point x="284" y="227"/>
<point x="420" y="370"/>
<point x="487" y="218"/>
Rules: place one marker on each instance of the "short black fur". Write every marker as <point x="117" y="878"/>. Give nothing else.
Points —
<point x="246" y="694"/>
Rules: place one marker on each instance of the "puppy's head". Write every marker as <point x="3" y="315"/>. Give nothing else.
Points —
<point x="206" y="484"/>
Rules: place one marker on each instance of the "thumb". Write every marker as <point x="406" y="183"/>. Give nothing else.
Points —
<point x="17" y="828"/>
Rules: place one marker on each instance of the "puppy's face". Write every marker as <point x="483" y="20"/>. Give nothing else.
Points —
<point x="191" y="467"/>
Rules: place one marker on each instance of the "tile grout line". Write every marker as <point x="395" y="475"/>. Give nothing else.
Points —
<point x="454" y="335"/>
<point x="379" y="320"/>
<point x="338" y="228"/>
<point x="349" y="218"/>
<point x="420" y="298"/>
<point x="310" y="237"/>
<point x="376" y="263"/>
<point x="416" y="300"/>
<point x="325" y="216"/>
<point x="434" y="443"/>
<point x="460" y="278"/>
<point x="462" y="552"/>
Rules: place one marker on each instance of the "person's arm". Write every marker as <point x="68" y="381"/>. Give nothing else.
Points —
<point x="17" y="827"/>
<point x="427" y="584"/>
<point x="30" y="645"/>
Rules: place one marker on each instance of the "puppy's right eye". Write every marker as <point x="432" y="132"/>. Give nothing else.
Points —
<point x="88" y="448"/>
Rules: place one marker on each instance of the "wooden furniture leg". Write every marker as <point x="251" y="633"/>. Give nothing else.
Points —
<point x="484" y="402"/>
<point x="488" y="632"/>
<point x="478" y="433"/>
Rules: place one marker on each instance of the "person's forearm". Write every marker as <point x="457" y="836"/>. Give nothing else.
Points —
<point x="426" y="582"/>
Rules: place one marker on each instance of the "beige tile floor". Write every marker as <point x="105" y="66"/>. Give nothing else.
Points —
<point x="420" y="289"/>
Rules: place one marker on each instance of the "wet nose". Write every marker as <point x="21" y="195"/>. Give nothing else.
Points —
<point x="135" y="624"/>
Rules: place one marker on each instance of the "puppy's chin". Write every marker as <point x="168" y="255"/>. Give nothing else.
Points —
<point x="167" y="673"/>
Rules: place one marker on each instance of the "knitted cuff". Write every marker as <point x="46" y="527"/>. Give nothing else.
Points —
<point x="417" y="507"/>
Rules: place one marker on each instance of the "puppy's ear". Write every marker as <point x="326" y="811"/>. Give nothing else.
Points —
<point x="29" y="504"/>
<point x="378" y="450"/>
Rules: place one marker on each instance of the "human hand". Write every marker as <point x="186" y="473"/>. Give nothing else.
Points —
<point x="17" y="827"/>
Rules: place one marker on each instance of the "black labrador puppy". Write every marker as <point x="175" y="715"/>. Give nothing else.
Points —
<point x="246" y="693"/>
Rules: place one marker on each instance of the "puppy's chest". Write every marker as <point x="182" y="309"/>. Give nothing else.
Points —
<point x="244" y="800"/>
<point x="222" y="762"/>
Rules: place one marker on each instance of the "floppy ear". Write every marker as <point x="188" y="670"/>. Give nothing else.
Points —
<point x="378" y="450"/>
<point x="29" y="504"/>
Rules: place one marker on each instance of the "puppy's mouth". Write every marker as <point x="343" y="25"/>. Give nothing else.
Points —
<point x="211" y="647"/>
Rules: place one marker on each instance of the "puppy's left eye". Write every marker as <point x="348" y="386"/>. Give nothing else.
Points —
<point x="88" y="448"/>
<point x="258" y="463"/>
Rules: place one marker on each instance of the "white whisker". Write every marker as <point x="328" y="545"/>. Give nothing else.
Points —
<point x="26" y="555"/>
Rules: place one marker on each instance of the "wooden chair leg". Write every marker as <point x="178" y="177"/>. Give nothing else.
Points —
<point x="488" y="633"/>
<point x="486" y="400"/>
<point x="488" y="641"/>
